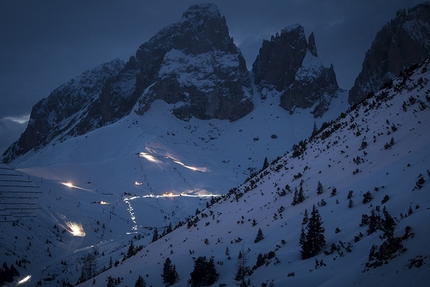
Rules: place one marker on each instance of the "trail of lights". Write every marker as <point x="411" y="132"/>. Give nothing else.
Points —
<point x="201" y="169"/>
<point x="151" y="158"/>
<point x="130" y="210"/>
<point x="25" y="279"/>
<point x="169" y="194"/>
<point x="172" y="195"/>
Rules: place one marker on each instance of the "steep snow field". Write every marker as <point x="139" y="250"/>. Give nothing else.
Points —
<point x="140" y="173"/>
<point x="337" y="158"/>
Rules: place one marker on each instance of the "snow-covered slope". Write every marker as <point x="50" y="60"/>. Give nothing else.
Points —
<point x="355" y="154"/>
<point x="140" y="173"/>
<point x="105" y="206"/>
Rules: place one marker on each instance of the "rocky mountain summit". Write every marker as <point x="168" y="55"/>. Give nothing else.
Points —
<point x="289" y="65"/>
<point x="403" y="41"/>
<point x="196" y="65"/>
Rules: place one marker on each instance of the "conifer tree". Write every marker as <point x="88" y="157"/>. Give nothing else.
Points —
<point x="295" y="197"/>
<point x="140" y="282"/>
<point x="241" y="269"/>
<point x="89" y="267"/>
<point x="169" y="228"/>
<point x="301" y="194"/>
<point x="130" y="251"/>
<point x="259" y="236"/>
<point x="314" y="130"/>
<point x="169" y="275"/>
<point x="387" y="224"/>
<point x="302" y="238"/>
<point x="374" y="222"/>
<point x="265" y="163"/>
<point x="314" y="239"/>
<point x="320" y="188"/>
<point x="305" y="217"/>
<point x="155" y="235"/>
<point x="204" y="273"/>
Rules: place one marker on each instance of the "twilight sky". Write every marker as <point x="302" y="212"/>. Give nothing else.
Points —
<point x="45" y="43"/>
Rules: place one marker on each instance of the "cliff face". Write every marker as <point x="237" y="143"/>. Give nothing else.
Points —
<point x="196" y="65"/>
<point x="289" y="65"/>
<point x="64" y="111"/>
<point x="403" y="41"/>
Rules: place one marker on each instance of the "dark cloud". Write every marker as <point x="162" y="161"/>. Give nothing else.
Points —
<point x="46" y="43"/>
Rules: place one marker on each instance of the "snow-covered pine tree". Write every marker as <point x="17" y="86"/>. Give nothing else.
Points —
<point x="314" y="239"/>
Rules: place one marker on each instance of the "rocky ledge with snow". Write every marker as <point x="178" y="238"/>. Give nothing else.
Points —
<point x="289" y="65"/>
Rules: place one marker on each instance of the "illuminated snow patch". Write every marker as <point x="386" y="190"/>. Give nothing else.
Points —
<point x="76" y="229"/>
<point x="68" y="184"/>
<point x="195" y="168"/>
<point x="149" y="157"/>
<point x="71" y="185"/>
<point x="25" y="279"/>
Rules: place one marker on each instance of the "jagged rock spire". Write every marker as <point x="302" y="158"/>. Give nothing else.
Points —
<point x="289" y="65"/>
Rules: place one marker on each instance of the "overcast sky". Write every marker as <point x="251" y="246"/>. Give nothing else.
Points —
<point x="45" y="43"/>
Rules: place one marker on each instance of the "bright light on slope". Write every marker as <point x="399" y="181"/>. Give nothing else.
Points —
<point x="76" y="229"/>
<point x="25" y="279"/>
<point x="195" y="168"/>
<point x="149" y="157"/>
<point x="71" y="185"/>
<point x="68" y="184"/>
<point x="201" y="169"/>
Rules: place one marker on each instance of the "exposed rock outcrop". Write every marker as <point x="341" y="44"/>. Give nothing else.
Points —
<point x="404" y="41"/>
<point x="196" y="66"/>
<point x="64" y="111"/>
<point x="290" y="66"/>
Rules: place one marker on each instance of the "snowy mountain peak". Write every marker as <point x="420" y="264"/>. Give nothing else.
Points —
<point x="192" y="63"/>
<point x="195" y="65"/>
<point x="289" y="66"/>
